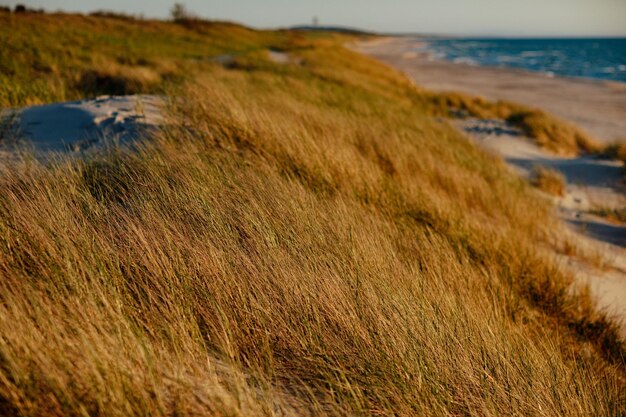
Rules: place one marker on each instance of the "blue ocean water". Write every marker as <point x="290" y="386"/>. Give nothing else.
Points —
<point x="599" y="58"/>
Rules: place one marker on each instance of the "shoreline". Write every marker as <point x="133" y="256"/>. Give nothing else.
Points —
<point x="589" y="182"/>
<point x="424" y="41"/>
<point x="431" y="57"/>
<point x="597" y="106"/>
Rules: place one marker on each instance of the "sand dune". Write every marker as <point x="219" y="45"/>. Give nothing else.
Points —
<point x="592" y="182"/>
<point x="278" y="56"/>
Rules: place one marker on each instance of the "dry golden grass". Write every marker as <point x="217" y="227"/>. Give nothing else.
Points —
<point x="554" y="134"/>
<point x="302" y="240"/>
<point x="549" y="180"/>
<point x="548" y="131"/>
<point x="617" y="150"/>
<point x="616" y="215"/>
<point x="119" y="79"/>
<point x="59" y="57"/>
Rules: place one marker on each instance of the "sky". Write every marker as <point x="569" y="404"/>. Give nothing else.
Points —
<point x="456" y="17"/>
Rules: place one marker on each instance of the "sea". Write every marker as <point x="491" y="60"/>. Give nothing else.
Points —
<point x="596" y="58"/>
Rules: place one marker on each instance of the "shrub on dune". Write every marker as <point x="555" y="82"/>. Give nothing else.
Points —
<point x="549" y="180"/>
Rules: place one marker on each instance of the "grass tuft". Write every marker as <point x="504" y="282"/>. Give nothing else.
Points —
<point x="549" y="180"/>
<point x="548" y="131"/>
<point x="118" y="80"/>
<point x="615" y="151"/>
<point x="553" y="134"/>
<point x="616" y="215"/>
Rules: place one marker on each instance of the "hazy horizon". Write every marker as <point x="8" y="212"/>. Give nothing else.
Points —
<point x="505" y="18"/>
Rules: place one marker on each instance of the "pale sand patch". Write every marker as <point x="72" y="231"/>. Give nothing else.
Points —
<point x="278" y="56"/>
<point x="225" y="59"/>
<point x="599" y="107"/>
<point x="284" y="58"/>
<point x="78" y="125"/>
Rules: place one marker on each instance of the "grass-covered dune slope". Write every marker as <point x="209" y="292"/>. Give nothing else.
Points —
<point x="301" y="239"/>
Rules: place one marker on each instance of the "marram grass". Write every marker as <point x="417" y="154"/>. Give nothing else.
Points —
<point x="301" y="239"/>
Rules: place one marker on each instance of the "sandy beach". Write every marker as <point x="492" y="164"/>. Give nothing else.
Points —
<point x="599" y="107"/>
<point x="592" y="182"/>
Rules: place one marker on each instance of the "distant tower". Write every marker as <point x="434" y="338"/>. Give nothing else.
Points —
<point x="316" y="21"/>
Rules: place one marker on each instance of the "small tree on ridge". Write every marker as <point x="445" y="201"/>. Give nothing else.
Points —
<point x="179" y="12"/>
